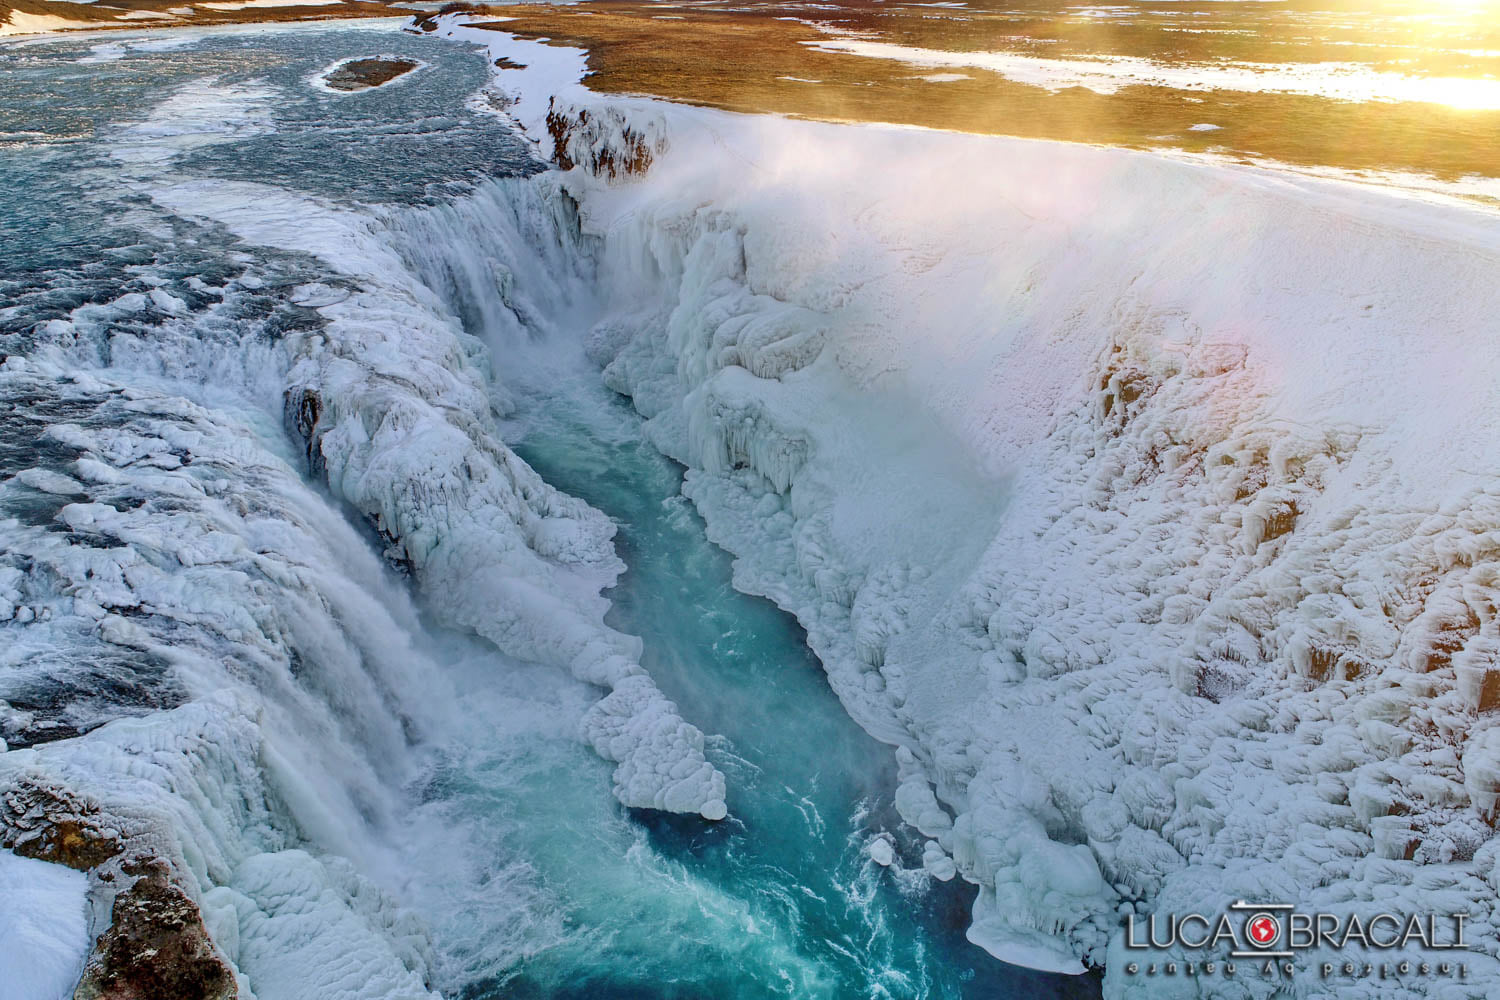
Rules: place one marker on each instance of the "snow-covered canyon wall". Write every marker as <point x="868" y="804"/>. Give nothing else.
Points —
<point x="1148" y="507"/>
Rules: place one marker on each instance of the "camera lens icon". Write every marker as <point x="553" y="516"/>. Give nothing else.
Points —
<point x="1262" y="930"/>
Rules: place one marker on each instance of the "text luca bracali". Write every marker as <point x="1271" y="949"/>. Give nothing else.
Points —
<point x="1269" y="939"/>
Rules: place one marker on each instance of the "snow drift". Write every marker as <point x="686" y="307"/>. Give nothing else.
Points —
<point x="43" y="928"/>
<point x="1148" y="507"/>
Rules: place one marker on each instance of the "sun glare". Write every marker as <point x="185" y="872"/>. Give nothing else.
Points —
<point x="1462" y="94"/>
<point x="1463" y="5"/>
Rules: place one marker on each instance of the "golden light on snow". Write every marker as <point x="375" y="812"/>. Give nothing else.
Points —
<point x="1464" y="94"/>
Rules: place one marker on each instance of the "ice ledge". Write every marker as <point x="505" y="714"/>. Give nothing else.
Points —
<point x="1026" y="948"/>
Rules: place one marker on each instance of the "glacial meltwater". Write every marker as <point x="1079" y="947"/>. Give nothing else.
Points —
<point x="173" y="207"/>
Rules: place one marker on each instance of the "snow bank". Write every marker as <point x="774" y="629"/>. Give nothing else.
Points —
<point x="1146" y="505"/>
<point x="20" y="22"/>
<point x="1347" y="81"/>
<point x="43" y="929"/>
<point x="259" y="4"/>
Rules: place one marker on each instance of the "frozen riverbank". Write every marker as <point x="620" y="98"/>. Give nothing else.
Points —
<point x="1144" y="505"/>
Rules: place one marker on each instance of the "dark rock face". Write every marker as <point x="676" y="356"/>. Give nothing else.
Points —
<point x="301" y="410"/>
<point x="156" y="947"/>
<point x="47" y="825"/>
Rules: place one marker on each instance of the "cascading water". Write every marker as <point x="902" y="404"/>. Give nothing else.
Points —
<point x="242" y="376"/>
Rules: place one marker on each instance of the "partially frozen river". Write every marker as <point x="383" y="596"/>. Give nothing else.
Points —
<point x="457" y="783"/>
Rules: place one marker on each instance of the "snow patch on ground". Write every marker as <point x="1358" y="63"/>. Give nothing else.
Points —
<point x="44" y="930"/>
<point x="257" y="4"/>
<point x="1339" y="81"/>
<point x="19" y="22"/>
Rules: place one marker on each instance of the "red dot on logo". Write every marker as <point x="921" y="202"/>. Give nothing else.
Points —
<point x="1263" y="929"/>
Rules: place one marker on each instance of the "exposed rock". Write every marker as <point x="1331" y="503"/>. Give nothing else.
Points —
<point x="27" y="827"/>
<point x="428" y="21"/>
<point x="603" y="142"/>
<point x="301" y="410"/>
<point x="156" y="947"/>
<point x="70" y="843"/>
<point x="362" y="74"/>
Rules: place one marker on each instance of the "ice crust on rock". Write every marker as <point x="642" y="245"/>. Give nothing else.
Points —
<point x="1140" y="503"/>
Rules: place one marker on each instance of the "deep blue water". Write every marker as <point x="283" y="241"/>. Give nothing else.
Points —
<point x="808" y="788"/>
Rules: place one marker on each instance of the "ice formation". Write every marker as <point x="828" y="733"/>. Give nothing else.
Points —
<point x="1142" y="506"/>
<point x="206" y="663"/>
<point x="1146" y="506"/>
<point x="394" y="402"/>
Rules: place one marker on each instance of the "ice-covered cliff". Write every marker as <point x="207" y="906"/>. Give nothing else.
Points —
<point x="1148" y="507"/>
<point x="395" y="407"/>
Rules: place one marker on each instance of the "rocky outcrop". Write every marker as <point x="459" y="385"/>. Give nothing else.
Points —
<point x="602" y="141"/>
<point x="38" y="822"/>
<point x="156" y="947"/>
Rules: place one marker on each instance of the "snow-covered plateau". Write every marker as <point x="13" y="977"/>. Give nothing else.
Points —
<point x="1148" y="508"/>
